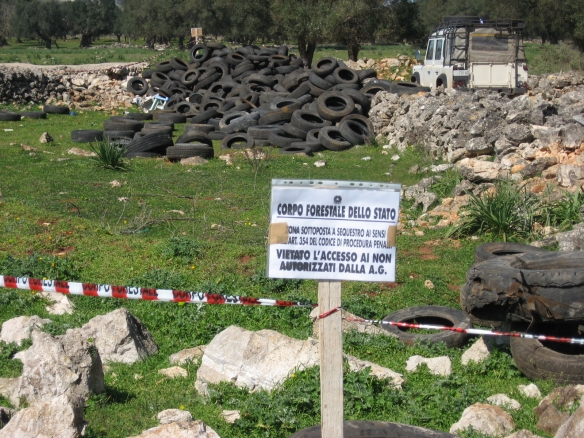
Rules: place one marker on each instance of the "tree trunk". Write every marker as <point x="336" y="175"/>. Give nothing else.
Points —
<point x="18" y="40"/>
<point x="48" y="43"/>
<point x="181" y="42"/>
<point x="85" y="40"/>
<point x="354" y="51"/>
<point x="3" y="41"/>
<point x="119" y="37"/>
<point x="55" y="42"/>
<point x="310" y="48"/>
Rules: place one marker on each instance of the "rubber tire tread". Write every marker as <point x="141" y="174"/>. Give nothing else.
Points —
<point x="333" y="144"/>
<point x="34" y="114"/>
<point x="488" y="251"/>
<point x="56" y="109"/>
<point x="195" y="137"/>
<point x="458" y="318"/>
<point x="87" y="135"/>
<point x="179" y="151"/>
<point x="150" y="142"/>
<point x="228" y="141"/>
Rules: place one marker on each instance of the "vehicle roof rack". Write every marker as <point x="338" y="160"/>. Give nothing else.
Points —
<point x="451" y="23"/>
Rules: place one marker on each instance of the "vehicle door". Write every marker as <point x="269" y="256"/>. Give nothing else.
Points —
<point x="428" y="69"/>
<point x="438" y="62"/>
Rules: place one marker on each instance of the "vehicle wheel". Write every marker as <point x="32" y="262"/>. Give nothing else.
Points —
<point x="437" y="315"/>
<point x="416" y="78"/>
<point x="488" y="251"/>
<point x="34" y="114"/>
<point x="237" y="141"/>
<point x="332" y="139"/>
<point x="87" y="135"/>
<point x="179" y="151"/>
<point x="560" y="362"/>
<point x="200" y="53"/>
<point x="325" y="66"/>
<point x="138" y="86"/>
<point x="344" y="75"/>
<point x="376" y="429"/>
<point x="334" y="105"/>
<point x="56" y="109"/>
<point x="442" y="81"/>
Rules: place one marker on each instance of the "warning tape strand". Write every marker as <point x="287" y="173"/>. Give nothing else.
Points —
<point x="140" y="293"/>
<point x="179" y="296"/>
<point x="471" y="331"/>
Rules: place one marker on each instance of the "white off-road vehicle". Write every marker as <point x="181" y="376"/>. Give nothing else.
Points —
<point x="469" y="52"/>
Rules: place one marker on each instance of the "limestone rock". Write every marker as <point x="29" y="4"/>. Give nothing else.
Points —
<point x="530" y="391"/>
<point x="61" y="417"/>
<point x="189" y="429"/>
<point x="523" y="434"/>
<point x="8" y="385"/>
<point x="253" y="360"/>
<point x="476" y="170"/>
<point x="187" y="355"/>
<point x="377" y="371"/>
<point x="61" y="304"/>
<point x="478" y="352"/>
<point x="193" y="161"/>
<point x="19" y="329"/>
<point x="120" y="337"/>
<point x="574" y="427"/>
<point x="231" y="416"/>
<point x="439" y="366"/>
<point x="46" y="138"/>
<point x="504" y="401"/>
<point x="347" y="326"/>
<point x="569" y="174"/>
<point x="173" y="372"/>
<point x="81" y="152"/>
<point x="174" y="416"/>
<point x="59" y="365"/>
<point x="551" y="419"/>
<point x="486" y="419"/>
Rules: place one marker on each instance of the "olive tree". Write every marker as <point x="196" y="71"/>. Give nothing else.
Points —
<point x="40" y="19"/>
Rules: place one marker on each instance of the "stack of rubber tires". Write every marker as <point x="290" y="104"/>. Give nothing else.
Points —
<point x="10" y="116"/>
<point x="537" y="291"/>
<point x="264" y="96"/>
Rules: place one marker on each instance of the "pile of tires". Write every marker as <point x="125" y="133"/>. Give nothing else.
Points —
<point x="537" y="291"/>
<point x="10" y="116"/>
<point x="268" y="97"/>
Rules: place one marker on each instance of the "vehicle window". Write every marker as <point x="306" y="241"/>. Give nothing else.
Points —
<point x="438" y="54"/>
<point x="430" y="51"/>
<point x="489" y="42"/>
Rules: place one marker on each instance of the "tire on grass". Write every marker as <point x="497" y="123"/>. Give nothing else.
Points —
<point x="181" y="150"/>
<point x="332" y="139"/>
<point x="488" y="251"/>
<point x="237" y="141"/>
<point x="56" y="109"/>
<point x="88" y="135"/>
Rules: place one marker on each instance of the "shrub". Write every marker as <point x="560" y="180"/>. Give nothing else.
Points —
<point x="110" y="155"/>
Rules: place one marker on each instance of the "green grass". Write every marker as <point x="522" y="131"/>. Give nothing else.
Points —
<point x="63" y="218"/>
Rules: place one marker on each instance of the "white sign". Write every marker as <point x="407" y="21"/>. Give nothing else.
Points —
<point x="333" y="230"/>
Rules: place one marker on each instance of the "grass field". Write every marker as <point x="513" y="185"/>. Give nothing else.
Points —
<point x="61" y="218"/>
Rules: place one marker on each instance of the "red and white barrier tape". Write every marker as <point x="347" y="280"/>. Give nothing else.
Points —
<point x="179" y="296"/>
<point x="139" y="293"/>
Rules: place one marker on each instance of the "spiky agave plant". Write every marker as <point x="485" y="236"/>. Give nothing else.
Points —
<point x="110" y="155"/>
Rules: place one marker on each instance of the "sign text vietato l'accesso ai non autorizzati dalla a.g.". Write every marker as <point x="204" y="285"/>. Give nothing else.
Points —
<point x="333" y="230"/>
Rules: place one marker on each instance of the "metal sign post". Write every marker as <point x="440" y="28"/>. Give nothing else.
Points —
<point x="332" y="231"/>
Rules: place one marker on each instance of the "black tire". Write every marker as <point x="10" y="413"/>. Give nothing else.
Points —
<point x="315" y="146"/>
<point x="237" y="141"/>
<point x="405" y="88"/>
<point x="437" y="315"/>
<point x="332" y="139"/>
<point x="261" y="132"/>
<point x="281" y="139"/>
<point x="292" y="130"/>
<point x="158" y="79"/>
<point x="376" y="429"/>
<point x="178" y="64"/>
<point x="364" y="121"/>
<point x="313" y="135"/>
<point x="184" y="108"/>
<point x="560" y="362"/>
<point x="217" y="135"/>
<point x="34" y="114"/>
<point x="56" y="109"/>
<point x="488" y="251"/>
<point x="359" y="98"/>
<point x="204" y="83"/>
<point x="138" y="86"/>
<point x="367" y="74"/>
<point x="195" y="137"/>
<point x="204" y="117"/>
<point x="122" y="124"/>
<point x="277" y="116"/>
<point x="191" y="127"/>
<point x="108" y="135"/>
<point x="334" y="105"/>
<point x="155" y="129"/>
<point x="325" y="66"/>
<point x="180" y="151"/>
<point x="354" y="132"/>
<point x="344" y="75"/>
<point x="297" y="148"/>
<point x="172" y="117"/>
<point x="164" y="67"/>
<point x="200" y="53"/>
<point x="303" y="88"/>
<point x="150" y="142"/>
<point x="8" y="116"/>
<point x="375" y="86"/>
<point x="139" y="116"/>
<point x="88" y="135"/>
<point x="442" y="81"/>
<point x="308" y="120"/>
<point x="319" y="82"/>
<point x="190" y="77"/>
